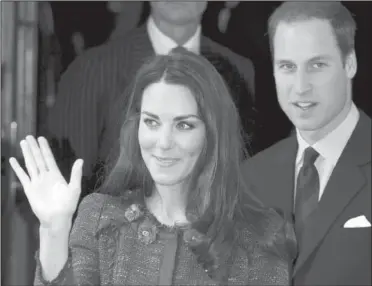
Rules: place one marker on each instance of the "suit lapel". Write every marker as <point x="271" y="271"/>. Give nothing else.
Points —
<point x="272" y="179"/>
<point x="145" y="47"/>
<point x="344" y="184"/>
<point x="141" y="50"/>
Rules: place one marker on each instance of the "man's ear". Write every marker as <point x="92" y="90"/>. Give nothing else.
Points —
<point x="351" y="64"/>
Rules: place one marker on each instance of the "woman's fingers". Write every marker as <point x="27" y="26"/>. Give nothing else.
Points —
<point x="48" y="155"/>
<point x="36" y="153"/>
<point x="21" y="174"/>
<point x="38" y="156"/>
<point x="29" y="160"/>
<point x="76" y="174"/>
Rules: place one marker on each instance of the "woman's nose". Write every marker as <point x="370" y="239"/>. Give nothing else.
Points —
<point x="165" y="139"/>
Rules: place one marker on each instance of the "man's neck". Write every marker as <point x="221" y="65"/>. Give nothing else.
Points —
<point x="179" y="34"/>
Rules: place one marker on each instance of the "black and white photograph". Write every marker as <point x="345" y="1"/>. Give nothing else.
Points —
<point x="186" y="143"/>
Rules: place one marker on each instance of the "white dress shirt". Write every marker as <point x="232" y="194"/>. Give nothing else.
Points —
<point x="329" y="148"/>
<point x="162" y="44"/>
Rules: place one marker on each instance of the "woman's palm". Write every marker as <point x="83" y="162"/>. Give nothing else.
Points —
<point x="51" y="198"/>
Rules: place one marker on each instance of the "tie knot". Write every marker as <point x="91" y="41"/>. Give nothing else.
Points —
<point x="310" y="156"/>
<point x="180" y="49"/>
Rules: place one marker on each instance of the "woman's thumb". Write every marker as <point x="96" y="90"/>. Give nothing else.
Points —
<point x="76" y="174"/>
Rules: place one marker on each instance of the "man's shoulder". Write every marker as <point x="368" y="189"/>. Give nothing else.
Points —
<point x="272" y="153"/>
<point x="366" y="123"/>
<point x="358" y="147"/>
<point x="111" y="49"/>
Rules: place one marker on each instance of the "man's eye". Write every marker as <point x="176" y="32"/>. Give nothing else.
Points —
<point x="287" y="67"/>
<point x="319" y="65"/>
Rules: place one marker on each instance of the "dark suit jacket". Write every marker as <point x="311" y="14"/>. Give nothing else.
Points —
<point x="331" y="254"/>
<point x="91" y="96"/>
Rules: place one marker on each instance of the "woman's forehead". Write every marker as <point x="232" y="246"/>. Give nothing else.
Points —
<point x="163" y="98"/>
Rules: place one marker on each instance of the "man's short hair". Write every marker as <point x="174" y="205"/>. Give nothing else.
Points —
<point x="339" y="17"/>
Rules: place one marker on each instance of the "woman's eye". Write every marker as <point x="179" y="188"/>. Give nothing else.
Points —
<point x="150" y="122"/>
<point x="185" y="126"/>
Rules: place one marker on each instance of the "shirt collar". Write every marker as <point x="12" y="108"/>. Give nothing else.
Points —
<point x="331" y="146"/>
<point x="163" y="44"/>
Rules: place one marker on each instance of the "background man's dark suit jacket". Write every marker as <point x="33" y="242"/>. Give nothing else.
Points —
<point x="331" y="254"/>
<point x="84" y="122"/>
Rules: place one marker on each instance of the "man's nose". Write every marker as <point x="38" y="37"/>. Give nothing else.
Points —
<point x="302" y="82"/>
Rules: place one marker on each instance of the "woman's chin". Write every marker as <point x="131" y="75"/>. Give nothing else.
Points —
<point x="165" y="180"/>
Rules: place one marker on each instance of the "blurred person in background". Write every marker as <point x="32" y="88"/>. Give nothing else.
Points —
<point x="50" y="64"/>
<point x="127" y="16"/>
<point x="78" y="42"/>
<point x="224" y="15"/>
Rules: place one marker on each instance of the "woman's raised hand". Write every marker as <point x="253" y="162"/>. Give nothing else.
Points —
<point x="51" y="198"/>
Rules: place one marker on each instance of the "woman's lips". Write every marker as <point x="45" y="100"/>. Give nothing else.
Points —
<point x="166" y="161"/>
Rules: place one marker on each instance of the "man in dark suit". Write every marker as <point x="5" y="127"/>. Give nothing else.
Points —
<point x="321" y="174"/>
<point x="91" y="92"/>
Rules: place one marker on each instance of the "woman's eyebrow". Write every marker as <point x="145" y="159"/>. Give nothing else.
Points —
<point x="177" y="118"/>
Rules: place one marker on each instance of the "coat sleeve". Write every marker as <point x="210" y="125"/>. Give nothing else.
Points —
<point x="82" y="266"/>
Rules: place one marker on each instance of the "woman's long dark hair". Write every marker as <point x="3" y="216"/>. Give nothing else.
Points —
<point x="216" y="181"/>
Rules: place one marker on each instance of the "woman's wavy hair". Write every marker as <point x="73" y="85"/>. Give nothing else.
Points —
<point x="216" y="183"/>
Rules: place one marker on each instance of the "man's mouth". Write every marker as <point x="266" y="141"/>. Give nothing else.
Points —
<point x="305" y="105"/>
